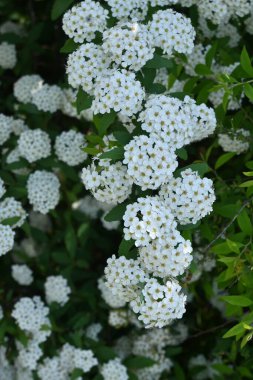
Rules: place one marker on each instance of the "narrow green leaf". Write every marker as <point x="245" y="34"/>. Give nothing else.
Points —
<point x="235" y="330"/>
<point x="246" y="62"/>
<point x="238" y="300"/>
<point x="248" y="90"/>
<point x="244" y="223"/>
<point x="223" y="159"/>
<point x="138" y="362"/>
<point x="247" y="184"/>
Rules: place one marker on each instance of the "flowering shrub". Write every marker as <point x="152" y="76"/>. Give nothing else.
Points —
<point x="125" y="190"/>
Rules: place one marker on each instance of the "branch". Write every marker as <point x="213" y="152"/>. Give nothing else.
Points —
<point x="229" y="224"/>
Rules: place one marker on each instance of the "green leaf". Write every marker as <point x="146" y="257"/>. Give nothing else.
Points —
<point x="125" y="246"/>
<point x="238" y="300"/>
<point x="116" y="213"/>
<point x="211" y="54"/>
<point x="247" y="184"/>
<point x="200" y="167"/>
<point x="234" y="246"/>
<point x="221" y="249"/>
<point x="182" y="153"/>
<point x="157" y="62"/>
<point x="246" y="339"/>
<point x="137" y="362"/>
<point x="10" y="221"/>
<point x="123" y="137"/>
<point x="244" y="223"/>
<point x="156" y="88"/>
<point x="223" y="159"/>
<point x="77" y="373"/>
<point x="235" y="330"/>
<point x="246" y="62"/>
<point x="201" y="69"/>
<point x="248" y="90"/>
<point x="70" y="241"/>
<point x="83" y="100"/>
<point x="69" y="46"/>
<point x="103" y="121"/>
<point x="104" y="353"/>
<point x="114" y="154"/>
<point x="59" y="7"/>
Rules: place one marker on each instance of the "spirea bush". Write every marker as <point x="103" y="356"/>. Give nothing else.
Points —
<point x="126" y="190"/>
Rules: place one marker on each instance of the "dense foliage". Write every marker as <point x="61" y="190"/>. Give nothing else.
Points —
<point x="126" y="189"/>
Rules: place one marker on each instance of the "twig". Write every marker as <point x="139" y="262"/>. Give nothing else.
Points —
<point x="229" y="224"/>
<point x="211" y="329"/>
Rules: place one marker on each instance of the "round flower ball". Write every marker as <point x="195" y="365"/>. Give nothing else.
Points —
<point x="8" y="55"/>
<point x="57" y="290"/>
<point x="6" y="239"/>
<point x="34" y="145"/>
<point x="24" y="87"/>
<point x="43" y="191"/>
<point x="69" y="148"/>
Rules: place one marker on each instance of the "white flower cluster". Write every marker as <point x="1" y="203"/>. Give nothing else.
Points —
<point x="47" y="98"/>
<point x="118" y="91"/>
<point x="10" y="208"/>
<point x="57" y="290"/>
<point x="114" y="369"/>
<point x="24" y="87"/>
<point x="6" y="239"/>
<point x="129" y="45"/>
<point x="172" y="31"/>
<point x="148" y="219"/>
<point x="235" y="141"/>
<point x="124" y="277"/>
<point x="34" y="144"/>
<point x="22" y="274"/>
<point x="2" y="188"/>
<point x="113" y="300"/>
<point x="227" y="30"/>
<point x="132" y="9"/>
<point x="118" y="318"/>
<point x="176" y="122"/>
<point x="220" y="11"/>
<point x="43" y="191"/>
<point x="206" y="368"/>
<point x="8" y="55"/>
<point x="109" y="183"/>
<point x="62" y="366"/>
<point x="168" y="257"/>
<point x="189" y="197"/>
<point x="88" y="206"/>
<point x="69" y="147"/>
<point x="6" y="123"/>
<point x="159" y="304"/>
<point x="150" y="162"/>
<point x="86" y="65"/>
<point x="31" y="315"/>
<point x="84" y="20"/>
